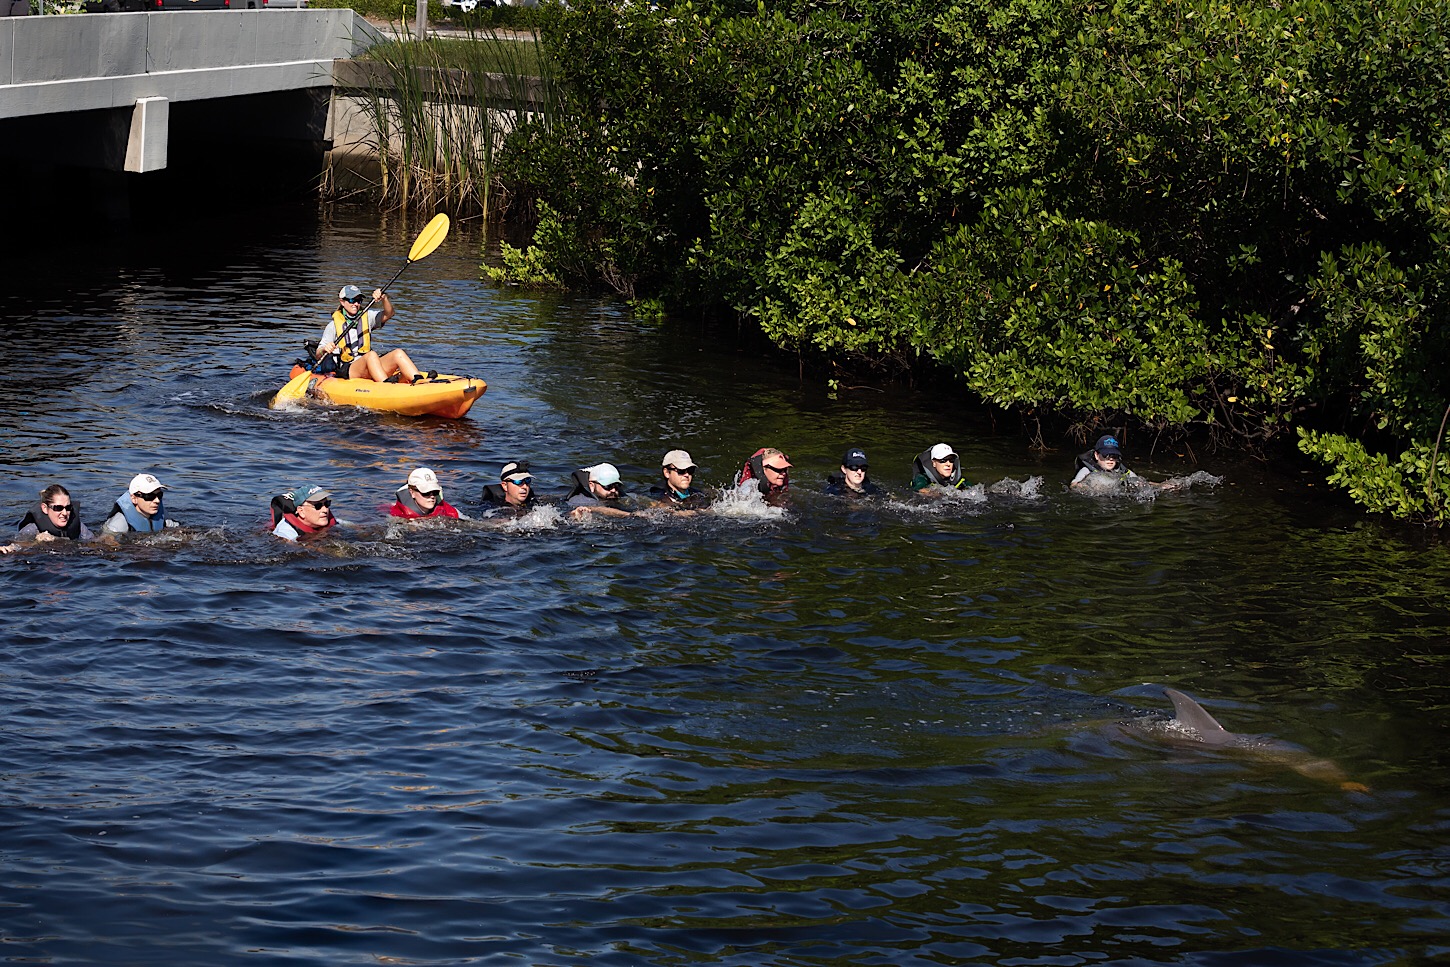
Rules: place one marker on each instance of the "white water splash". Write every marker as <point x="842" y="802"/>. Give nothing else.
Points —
<point x="544" y="518"/>
<point x="1099" y="484"/>
<point x="1029" y="489"/>
<point x="745" y="501"/>
<point x="1199" y="478"/>
<point x="973" y="496"/>
<point x="940" y="502"/>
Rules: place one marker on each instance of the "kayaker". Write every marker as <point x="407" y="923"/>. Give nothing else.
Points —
<point x="1106" y="456"/>
<point x="770" y="469"/>
<point x="937" y="468"/>
<point x="679" y="493"/>
<point x="422" y="496"/>
<point x="514" y="490"/>
<point x="851" y="480"/>
<point x="348" y="340"/>
<point x="597" y="490"/>
<point x="139" y="508"/>
<point x="301" y="513"/>
<point x="54" y="518"/>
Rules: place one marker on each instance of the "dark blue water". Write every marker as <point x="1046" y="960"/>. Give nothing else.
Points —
<point x="837" y="735"/>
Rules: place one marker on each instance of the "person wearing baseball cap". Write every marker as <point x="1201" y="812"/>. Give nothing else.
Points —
<point x="937" y="468"/>
<point x="769" y="468"/>
<point x="348" y="340"/>
<point x="596" y="490"/>
<point x="139" y="508"/>
<point x="303" y="512"/>
<point x="514" y="490"/>
<point x="851" y="480"/>
<point x="679" y="493"/>
<point x="422" y="496"/>
<point x="1106" y="456"/>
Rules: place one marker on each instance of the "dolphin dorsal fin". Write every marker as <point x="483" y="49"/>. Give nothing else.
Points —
<point x="1191" y="715"/>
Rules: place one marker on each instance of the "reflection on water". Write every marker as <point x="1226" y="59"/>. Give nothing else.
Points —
<point x="829" y="732"/>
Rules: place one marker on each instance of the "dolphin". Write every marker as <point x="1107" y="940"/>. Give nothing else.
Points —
<point x="1191" y="726"/>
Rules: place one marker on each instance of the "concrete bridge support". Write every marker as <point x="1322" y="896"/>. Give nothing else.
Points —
<point x="146" y="149"/>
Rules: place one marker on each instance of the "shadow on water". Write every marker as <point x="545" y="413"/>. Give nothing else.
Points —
<point x="837" y="732"/>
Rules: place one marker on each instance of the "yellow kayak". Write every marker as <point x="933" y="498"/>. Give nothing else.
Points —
<point x="446" y="396"/>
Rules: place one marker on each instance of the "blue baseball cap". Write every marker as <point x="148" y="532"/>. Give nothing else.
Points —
<point x="1108" y="446"/>
<point x="309" y="493"/>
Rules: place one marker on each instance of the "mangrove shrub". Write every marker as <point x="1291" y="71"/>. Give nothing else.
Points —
<point x="1231" y="215"/>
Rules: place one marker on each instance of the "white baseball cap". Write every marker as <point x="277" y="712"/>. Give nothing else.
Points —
<point x="425" y="480"/>
<point x="604" y="474"/>
<point x="941" y="451"/>
<point x="678" y="459"/>
<point x="145" y="483"/>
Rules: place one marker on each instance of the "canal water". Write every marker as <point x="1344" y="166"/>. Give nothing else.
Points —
<point x="833" y="733"/>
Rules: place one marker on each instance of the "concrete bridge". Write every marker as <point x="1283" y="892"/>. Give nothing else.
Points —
<point x="127" y="92"/>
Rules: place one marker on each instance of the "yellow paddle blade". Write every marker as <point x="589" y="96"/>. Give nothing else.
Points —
<point x="295" y="389"/>
<point x="430" y="238"/>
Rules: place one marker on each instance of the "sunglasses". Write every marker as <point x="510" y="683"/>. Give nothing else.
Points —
<point x="857" y="469"/>
<point x="686" y="471"/>
<point x="432" y="494"/>
<point x="153" y="495"/>
<point x="60" y="508"/>
<point x="519" y="481"/>
<point x="779" y="470"/>
<point x="322" y="504"/>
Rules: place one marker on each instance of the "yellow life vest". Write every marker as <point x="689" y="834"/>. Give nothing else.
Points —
<point x="359" y="339"/>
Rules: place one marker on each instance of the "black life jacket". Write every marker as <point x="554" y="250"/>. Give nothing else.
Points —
<point x="37" y="516"/>
<point x="836" y="487"/>
<point x="924" y="468"/>
<point x="285" y="508"/>
<point x="689" y="499"/>
<point x="1085" y="461"/>
<point x="493" y="494"/>
<point x="580" y="479"/>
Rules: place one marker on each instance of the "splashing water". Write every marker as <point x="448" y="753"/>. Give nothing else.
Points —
<point x="1029" y="489"/>
<point x="545" y="518"/>
<point x="745" y="501"/>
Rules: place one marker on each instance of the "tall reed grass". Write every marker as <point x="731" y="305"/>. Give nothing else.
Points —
<point x="441" y="110"/>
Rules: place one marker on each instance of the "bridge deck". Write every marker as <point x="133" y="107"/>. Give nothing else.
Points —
<point x="59" y="64"/>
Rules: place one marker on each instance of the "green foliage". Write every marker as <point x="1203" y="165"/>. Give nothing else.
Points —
<point x="521" y="267"/>
<point x="1039" y="309"/>
<point x="1405" y="488"/>
<point x="1229" y="214"/>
